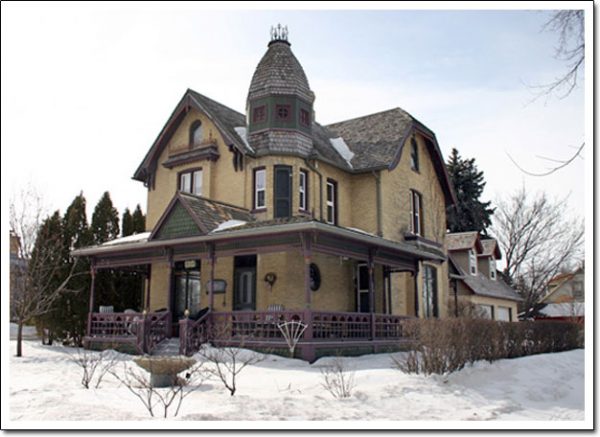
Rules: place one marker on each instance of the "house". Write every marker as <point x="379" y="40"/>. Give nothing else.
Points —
<point x="565" y="299"/>
<point x="476" y="284"/>
<point x="265" y="217"/>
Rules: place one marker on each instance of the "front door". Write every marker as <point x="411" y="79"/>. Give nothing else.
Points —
<point x="283" y="191"/>
<point x="244" y="283"/>
<point x="186" y="293"/>
<point x="362" y="288"/>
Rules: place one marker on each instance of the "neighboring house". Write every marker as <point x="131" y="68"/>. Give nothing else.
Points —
<point x="476" y="284"/>
<point x="269" y="216"/>
<point x="565" y="299"/>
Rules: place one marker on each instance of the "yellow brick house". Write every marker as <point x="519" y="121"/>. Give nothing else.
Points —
<point x="260" y="218"/>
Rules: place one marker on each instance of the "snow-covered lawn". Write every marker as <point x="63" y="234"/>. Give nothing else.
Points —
<point x="45" y="386"/>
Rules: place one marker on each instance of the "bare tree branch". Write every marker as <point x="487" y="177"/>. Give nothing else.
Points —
<point x="563" y="163"/>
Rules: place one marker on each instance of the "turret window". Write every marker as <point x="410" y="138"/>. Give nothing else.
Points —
<point x="283" y="112"/>
<point x="196" y="134"/>
<point x="259" y="114"/>
<point x="303" y="190"/>
<point x="304" y="117"/>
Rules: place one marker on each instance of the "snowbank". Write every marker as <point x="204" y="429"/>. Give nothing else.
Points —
<point x="228" y="225"/>
<point x="44" y="386"/>
<point x="342" y="148"/>
<point x="135" y="238"/>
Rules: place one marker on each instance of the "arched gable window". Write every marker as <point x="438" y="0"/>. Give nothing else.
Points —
<point x="196" y="134"/>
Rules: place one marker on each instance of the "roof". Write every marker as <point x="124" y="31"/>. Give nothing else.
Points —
<point x="464" y="241"/>
<point x="203" y="216"/>
<point x="377" y="141"/>
<point x="490" y="247"/>
<point x="279" y="72"/>
<point x="224" y="118"/>
<point x="566" y="309"/>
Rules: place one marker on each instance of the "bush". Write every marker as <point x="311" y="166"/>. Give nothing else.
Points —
<point x="445" y="346"/>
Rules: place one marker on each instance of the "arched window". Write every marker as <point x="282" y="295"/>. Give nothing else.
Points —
<point x="196" y="134"/>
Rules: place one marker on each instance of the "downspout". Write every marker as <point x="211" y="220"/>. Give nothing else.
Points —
<point x="377" y="176"/>
<point x="313" y="168"/>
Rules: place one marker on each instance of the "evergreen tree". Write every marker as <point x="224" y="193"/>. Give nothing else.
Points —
<point x="469" y="214"/>
<point x="139" y="220"/>
<point x="105" y="220"/>
<point x="127" y="223"/>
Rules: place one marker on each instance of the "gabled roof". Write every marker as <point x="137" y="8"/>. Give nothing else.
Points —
<point x="189" y="215"/>
<point x="224" y="118"/>
<point x="464" y="241"/>
<point x="490" y="247"/>
<point x="377" y="141"/>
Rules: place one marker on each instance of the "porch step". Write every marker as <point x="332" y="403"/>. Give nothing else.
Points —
<point x="169" y="347"/>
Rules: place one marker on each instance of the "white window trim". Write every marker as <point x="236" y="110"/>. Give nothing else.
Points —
<point x="302" y="190"/>
<point x="330" y="203"/>
<point x="472" y="262"/>
<point x="197" y="176"/>
<point x="492" y="262"/>
<point x="258" y="190"/>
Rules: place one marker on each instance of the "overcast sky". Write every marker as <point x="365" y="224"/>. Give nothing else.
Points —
<point x="87" y="88"/>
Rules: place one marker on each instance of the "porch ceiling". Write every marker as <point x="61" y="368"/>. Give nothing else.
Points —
<point x="325" y="238"/>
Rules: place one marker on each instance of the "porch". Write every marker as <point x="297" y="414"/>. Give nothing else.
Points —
<point x="326" y="332"/>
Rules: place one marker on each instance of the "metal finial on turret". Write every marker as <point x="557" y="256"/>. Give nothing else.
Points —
<point x="279" y="33"/>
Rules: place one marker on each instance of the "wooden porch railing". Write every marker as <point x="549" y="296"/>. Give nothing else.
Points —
<point x="145" y="331"/>
<point x="193" y="333"/>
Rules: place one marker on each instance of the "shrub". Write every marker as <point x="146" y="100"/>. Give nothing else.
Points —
<point x="445" y="346"/>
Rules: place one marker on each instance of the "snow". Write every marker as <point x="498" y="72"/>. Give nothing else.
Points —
<point x="29" y="332"/>
<point x="135" y="238"/>
<point x="228" y="225"/>
<point x="361" y="231"/>
<point x="44" y="386"/>
<point x="566" y="309"/>
<point x="241" y="131"/>
<point x="342" y="148"/>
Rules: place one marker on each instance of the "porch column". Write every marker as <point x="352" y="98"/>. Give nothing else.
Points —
<point x="371" y="269"/>
<point x="213" y="259"/>
<point x="416" y="280"/>
<point x="92" y="295"/>
<point x="170" y="298"/>
<point x="148" y="281"/>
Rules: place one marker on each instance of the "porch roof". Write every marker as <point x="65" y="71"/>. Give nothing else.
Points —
<point x="262" y="236"/>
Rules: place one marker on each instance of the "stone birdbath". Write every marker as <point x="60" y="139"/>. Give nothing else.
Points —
<point x="164" y="369"/>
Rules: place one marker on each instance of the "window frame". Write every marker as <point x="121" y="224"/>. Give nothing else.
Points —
<point x="303" y="113"/>
<point x="262" y="109"/>
<point x="192" y="172"/>
<point x="303" y="190"/>
<point x="287" y="107"/>
<point x="416" y="214"/>
<point x="492" y="267"/>
<point x="333" y="203"/>
<point x="255" y="190"/>
<point x="414" y="155"/>
<point x="197" y="124"/>
<point x="472" y="262"/>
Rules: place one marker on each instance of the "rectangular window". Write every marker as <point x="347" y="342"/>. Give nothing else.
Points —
<point x="303" y="190"/>
<point x="191" y="182"/>
<point x="304" y="117"/>
<point x="430" y="300"/>
<point x="414" y="155"/>
<point x="260" y="183"/>
<point x="259" y="114"/>
<point x="492" y="268"/>
<point x="578" y="290"/>
<point x="416" y="213"/>
<point x="486" y="311"/>
<point x="504" y="314"/>
<point x="472" y="262"/>
<point x="331" y="202"/>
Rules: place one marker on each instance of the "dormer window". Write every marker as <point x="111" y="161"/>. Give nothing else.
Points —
<point x="472" y="262"/>
<point x="196" y="134"/>
<point x="492" y="268"/>
<point x="191" y="182"/>
<point x="414" y="154"/>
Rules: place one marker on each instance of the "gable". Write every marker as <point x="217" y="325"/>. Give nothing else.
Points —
<point x="177" y="224"/>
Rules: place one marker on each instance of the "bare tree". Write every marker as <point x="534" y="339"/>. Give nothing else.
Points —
<point x="227" y="362"/>
<point x="94" y="364"/>
<point x="538" y="238"/>
<point x="139" y="383"/>
<point x="337" y="379"/>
